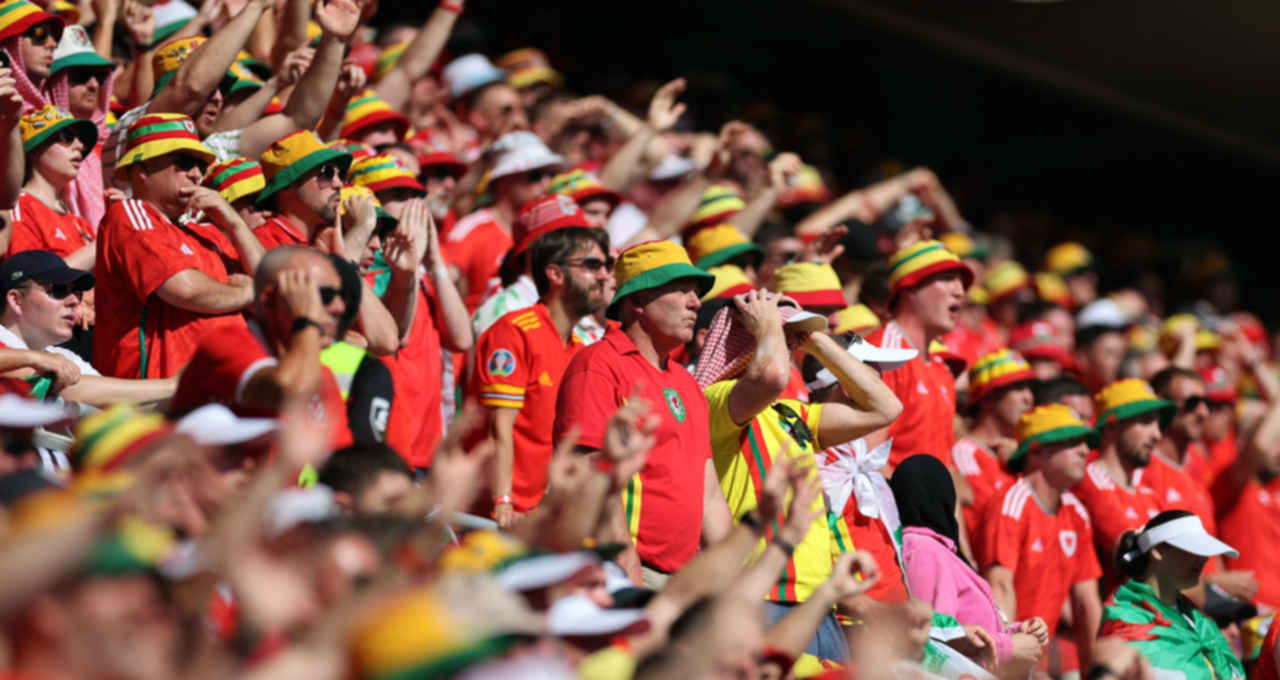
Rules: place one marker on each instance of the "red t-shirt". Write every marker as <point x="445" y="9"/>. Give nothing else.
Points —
<point x="1222" y="454"/>
<point x="277" y="232"/>
<point x="222" y="366"/>
<point x="141" y="336"/>
<point x="927" y="391"/>
<point x="520" y="360"/>
<point x="1249" y="521"/>
<point x="1176" y="489"/>
<point x="1113" y="508"/>
<point x="36" y="226"/>
<point x="476" y="245"/>
<point x="416" y="426"/>
<point x="1046" y="553"/>
<point x="664" y="502"/>
<point x="985" y="474"/>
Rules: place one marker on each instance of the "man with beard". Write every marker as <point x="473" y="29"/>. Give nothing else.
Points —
<point x="1129" y="420"/>
<point x="521" y="358"/>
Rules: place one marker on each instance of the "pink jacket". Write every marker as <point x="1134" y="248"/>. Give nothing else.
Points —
<point x="938" y="576"/>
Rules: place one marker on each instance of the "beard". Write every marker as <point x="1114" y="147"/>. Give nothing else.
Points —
<point x="581" y="300"/>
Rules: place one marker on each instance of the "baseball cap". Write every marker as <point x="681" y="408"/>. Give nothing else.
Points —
<point x="43" y="266"/>
<point x="1185" y="533"/>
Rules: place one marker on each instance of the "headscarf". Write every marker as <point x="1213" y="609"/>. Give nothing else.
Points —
<point x="32" y="97"/>
<point x="926" y="497"/>
<point x="85" y="192"/>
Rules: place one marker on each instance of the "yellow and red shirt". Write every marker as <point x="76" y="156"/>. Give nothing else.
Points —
<point x="743" y="457"/>
<point x="519" y="362"/>
<point x="663" y="504"/>
<point x="36" y="226"/>
<point x="1047" y="553"/>
<point x="927" y="391"/>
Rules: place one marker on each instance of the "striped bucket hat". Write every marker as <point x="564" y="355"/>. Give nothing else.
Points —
<point x="16" y="16"/>
<point x="382" y="172"/>
<point x="810" y="284"/>
<point x="158" y="134"/>
<point x="1004" y="280"/>
<point x="911" y="265"/>
<point x="235" y="179"/>
<point x="856" y="319"/>
<point x="170" y="56"/>
<point x="652" y="264"/>
<point x="1128" y="398"/>
<point x="716" y="245"/>
<point x="293" y="156"/>
<point x="1051" y="288"/>
<point x="366" y="109"/>
<point x="719" y="203"/>
<point x="40" y="125"/>
<point x="106" y="440"/>
<point x="998" y="369"/>
<point x="1047" y="424"/>
<point x="581" y="186"/>
<point x="806" y="187"/>
<point x="528" y="66"/>
<point x="170" y="15"/>
<point x="730" y="281"/>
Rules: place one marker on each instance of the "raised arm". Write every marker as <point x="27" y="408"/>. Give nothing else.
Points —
<point x="404" y="250"/>
<point x="767" y="374"/>
<point x="420" y="54"/>
<point x="299" y="371"/>
<point x="452" y="319"/>
<point x="877" y="405"/>
<point x="624" y="168"/>
<point x="781" y="170"/>
<point x="870" y="202"/>
<point x="216" y="208"/>
<point x="203" y="71"/>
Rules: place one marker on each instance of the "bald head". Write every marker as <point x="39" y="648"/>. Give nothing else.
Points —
<point x="281" y="258"/>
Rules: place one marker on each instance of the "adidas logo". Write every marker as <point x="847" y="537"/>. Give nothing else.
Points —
<point x="1037" y="546"/>
<point x="57" y="233"/>
<point x="1130" y="514"/>
<point x="921" y="388"/>
<point x="1173" y="496"/>
<point x="544" y="379"/>
<point x="185" y="250"/>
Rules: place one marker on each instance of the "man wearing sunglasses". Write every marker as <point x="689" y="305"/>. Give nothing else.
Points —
<point x="167" y="282"/>
<point x="256" y="369"/>
<point x="521" y="358"/>
<point x="41" y="296"/>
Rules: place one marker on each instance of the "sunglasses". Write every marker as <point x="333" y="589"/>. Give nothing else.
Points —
<point x="40" y="33"/>
<point x="57" y="291"/>
<point x="1193" y="403"/>
<point x="537" y="175"/>
<point x="186" y="163"/>
<point x="437" y="173"/>
<point x="66" y="137"/>
<point x="328" y="171"/>
<point x="328" y="293"/>
<point x="80" y="76"/>
<point x="594" y="264"/>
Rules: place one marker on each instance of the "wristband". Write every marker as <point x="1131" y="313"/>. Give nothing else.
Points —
<point x="504" y="498"/>
<point x="1098" y="671"/>
<point x="451" y="6"/>
<point x="302" y="323"/>
<point x="788" y="548"/>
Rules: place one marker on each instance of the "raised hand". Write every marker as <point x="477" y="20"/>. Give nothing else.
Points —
<point x="11" y="102"/>
<point x="339" y="17"/>
<point x="212" y="204"/>
<point x="783" y="168"/>
<point x="351" y="80"/>
<point x="629" y="436"/>
<point x="758" y="310"/>
<point x="854" y="573"/>
<point x="406" y="246"/>
<point x="827" y="247"/>
<point x="295" y="64"/>
<point x="664" y="110"/>
<point x="300" y="293"/>
<point x="140" y="21"/>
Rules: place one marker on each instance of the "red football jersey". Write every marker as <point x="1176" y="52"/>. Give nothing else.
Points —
<point x="1249" y="521"/>
<point x="985" y="474"/>
<point x="36" y="226"/>
<point x="476" y="245"/>
<point x="927" y="391"/>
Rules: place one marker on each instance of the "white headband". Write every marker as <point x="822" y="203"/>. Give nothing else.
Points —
<point x="1179" y="527"/>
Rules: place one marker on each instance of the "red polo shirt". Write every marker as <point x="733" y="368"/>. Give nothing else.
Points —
<point x="664" y="502"/>
<point x="36" y="226"/>
<point x="927" y="391"/>
<point x="137" y="335"/>
<point x="277" y="232"/>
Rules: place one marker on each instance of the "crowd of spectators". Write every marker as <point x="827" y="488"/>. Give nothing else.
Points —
<point x="326" y="352"/>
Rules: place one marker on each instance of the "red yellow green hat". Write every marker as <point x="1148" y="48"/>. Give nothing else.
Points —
<point x="1003" y="280"/>
<point x="293" y="156"/>
<point x="388" y="59"/>
<point x="911" y="265"/>
<point x="170" y="56"/>
<point x="158" y="134"/>
<point x="1128" y="398"/>
<point x="716" y="245"/>
<point x="16" y="16"/>
<point x="39" y="125"/>
<point x="526" y="67"/>
<point x="366" y="109"/>
<point x="810" y="284"/>
<point x="581" y="186"/>
<point x="1051" y="288"/>
<point x="1068" y="258"/>
<point x="806" y="187"/>
<point x="998" y="369"/>
<point x="382" y="172"/>
<point x="235" y="179"/>
<point x="730" y="281"/>
<point x="719" y="203"/>
<point x="106" y="440"/>
<point x="651" y="264"/>
<point x="955" y="362"/>
<point x="856" y="318"/>
<point x="1038" y="339"/>
<point x="1047" y="424"/>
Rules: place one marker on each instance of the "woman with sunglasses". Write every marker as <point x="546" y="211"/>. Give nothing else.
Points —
<point x="1148" y="610"/>
<point x="81" y="82"/>
<point x="55" y="144"/>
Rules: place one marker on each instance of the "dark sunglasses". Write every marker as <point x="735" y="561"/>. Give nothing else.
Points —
<point x="328" y="293"/>
<point x="66" y="137"/>
<point x="58" y="291"/>
<point x="328" y="171"/>
<point x="537" y="175"/>
<point x="1193" y="403"/>
<point x="186" y="163"/>
<point x="40" y="33"/>
<point x="80" y="76"/>
<point x="594" y="264"/>
<point x="437" y="173"/>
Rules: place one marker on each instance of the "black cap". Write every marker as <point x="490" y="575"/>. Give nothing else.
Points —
<point x="43" y="266"/>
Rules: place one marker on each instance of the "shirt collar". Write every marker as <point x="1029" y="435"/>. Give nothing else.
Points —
<point x="12" y="340"/>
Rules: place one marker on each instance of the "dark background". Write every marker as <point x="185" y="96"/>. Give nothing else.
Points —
<point x="1038" y="157"/>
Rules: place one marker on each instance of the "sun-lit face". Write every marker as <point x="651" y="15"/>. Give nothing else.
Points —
<point x="936" y="301"/>
<point x="44" y="318"/>
<point x="37" y="45"/>
<point x="84" y="89"/>
<point x="58" y="160"/>
<point x="668" y="313"/>
<point x="1138" y="437"/>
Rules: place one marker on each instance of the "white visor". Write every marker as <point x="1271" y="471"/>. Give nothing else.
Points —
<point x="886" y="358"/>
<point x="1185" y="533"/>
<point x="577" y="615"/>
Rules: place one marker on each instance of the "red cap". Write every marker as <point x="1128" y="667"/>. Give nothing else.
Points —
<point x="1039" y="340"/>
<point x="1218" y="386"/>
<point x="543" y="215"/>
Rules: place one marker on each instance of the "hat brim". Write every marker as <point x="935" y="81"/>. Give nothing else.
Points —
<point x="731" y="291"/>
<point x="443" y="158"/>
<point x="399" y="182"/>
<point x="723" y="255"/>
<point x="597" y="193"/>
<point x="82" y="60"/>
<point x="164" y="147"/>
<point x="300" y="167"/>
<point x="819" y="298"/>
<point x="545" y="161"/>
<point x="1133" y="409"/>
<point x="887" y="358"/>
<point x="1018" y="461"/>
<point x="22" y="413"/>
<point x="1202" y="544"/>
<point x="402" y="123"/>
<point x="83" y="279"/>
<point x="657" y="277"/>
<point x="38" y="17"/>
<point x="805" y="322"/>
<point x="83" y="128"/>
<point x="541" y="571"/>
<point x="1007" y="380"/>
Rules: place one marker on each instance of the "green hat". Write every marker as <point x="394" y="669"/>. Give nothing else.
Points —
<point x="75" y="49"/>
<point x="293" y="156"/>
<point x="652" y="264"/>
<point x="1128" y="398"/>
<point x="38" y="126"/>
<point x="1047" y="424"/>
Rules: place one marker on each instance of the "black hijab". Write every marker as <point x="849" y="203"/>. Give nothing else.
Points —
<point x="926" y="497"/>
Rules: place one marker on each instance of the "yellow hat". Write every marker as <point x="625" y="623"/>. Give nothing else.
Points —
<point x="1003" y="280"/>
<point x="1169" y="333"/>
<point x="1047" y="424"/>
<point x="1068" y="258"/>
<point x="1124" y="399"/>
<point x="810" y="284"/>
<point x="995" y="370"/>
<point x="1051" y="288"/>
<point x="652" y="264"/>
<point x="911" y="265"/>
<point x="856" y="318"/>
<point x="719" y="203"/>
<point x="716" y="245"/>
<point x="39" y="125"/>
<point x="957" y="242"/>
<point x="730" y="281"/>
<point x="293" y="156"/>
<point x="171" y="55"/>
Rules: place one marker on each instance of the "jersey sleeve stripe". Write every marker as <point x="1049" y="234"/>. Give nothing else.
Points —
<point x="503" y="389"/>
<point x="501" y="402"/>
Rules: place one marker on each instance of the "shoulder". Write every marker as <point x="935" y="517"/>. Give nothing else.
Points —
<point x="1070" y="501"/>
<point x="1013" y="504"/>
<point x="964" y="453"/>
<point x="1095" y="476"/>
<point x="133" y="215"/>
<point x="470" y="223"/>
